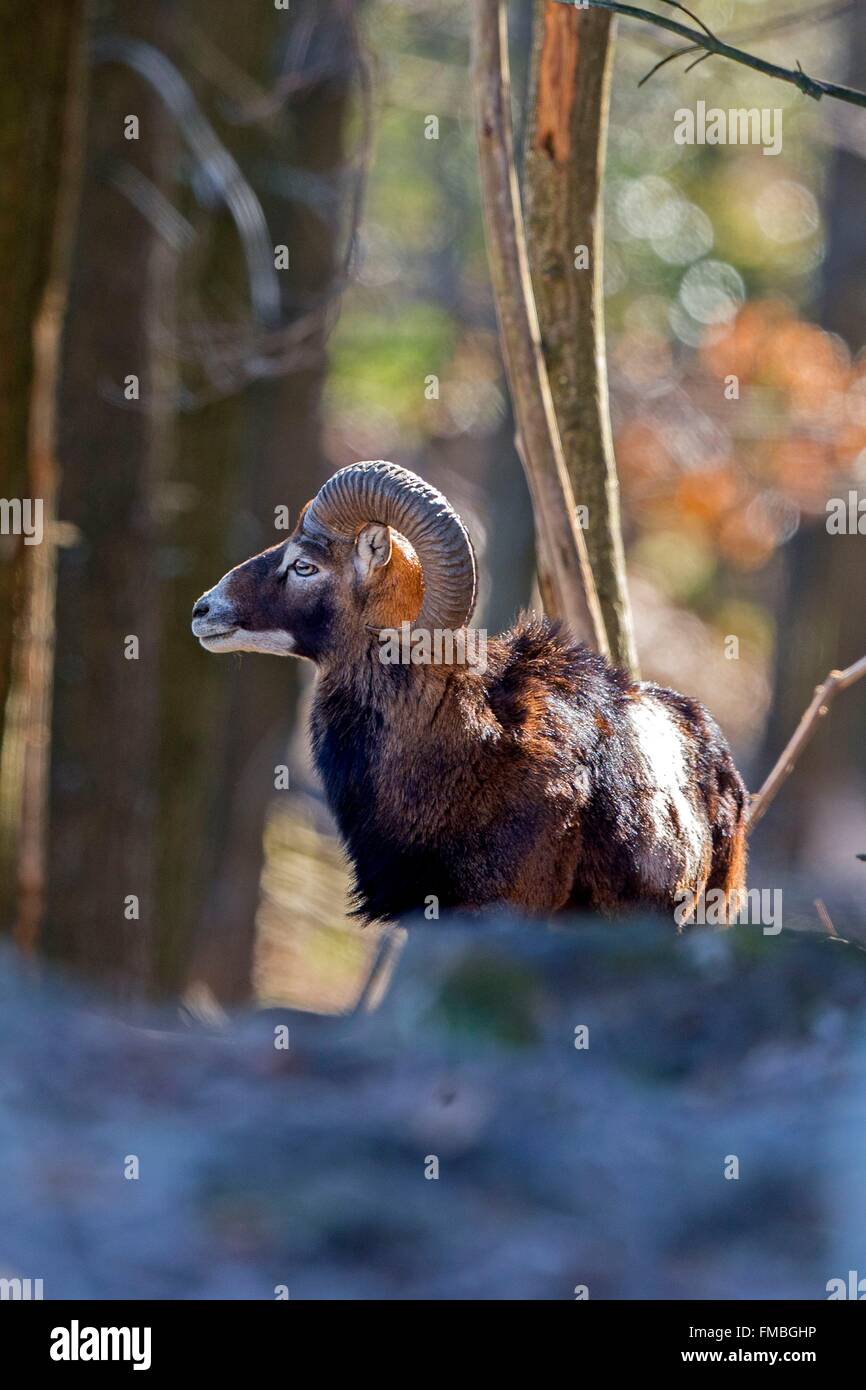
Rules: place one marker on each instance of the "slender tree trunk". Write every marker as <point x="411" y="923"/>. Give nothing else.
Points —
<point x="564" y="571"/>
<point x="40" y="82"/>
<point x="212" y="492"/>
<point x="564" y="170"/>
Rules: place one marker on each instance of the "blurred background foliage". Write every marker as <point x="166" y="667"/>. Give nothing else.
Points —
<point x="349" y="127"/>
<point x="720" y="262"/>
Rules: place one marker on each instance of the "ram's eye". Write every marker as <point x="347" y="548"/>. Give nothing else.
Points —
<point x="304" y="568"/>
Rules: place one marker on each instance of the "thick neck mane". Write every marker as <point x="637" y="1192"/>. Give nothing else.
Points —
<point x="401" y="707"/>
<point x="382" y="735"/>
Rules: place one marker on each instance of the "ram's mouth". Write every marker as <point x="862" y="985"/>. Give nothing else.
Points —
<point x="206" y="638"/>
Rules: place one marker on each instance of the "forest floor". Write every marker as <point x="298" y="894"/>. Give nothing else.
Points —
<point x="528" y="1111"/>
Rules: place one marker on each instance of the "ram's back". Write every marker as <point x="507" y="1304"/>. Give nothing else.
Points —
<point x="549" y="781"/>
<point x="661" y="805"/>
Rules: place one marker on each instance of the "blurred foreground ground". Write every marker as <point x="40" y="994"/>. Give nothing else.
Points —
<point x="311" y="955"/>
<point x="557" y="1166"/>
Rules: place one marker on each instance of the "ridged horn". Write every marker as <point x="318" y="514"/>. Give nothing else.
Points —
<point x="383" y="492"/>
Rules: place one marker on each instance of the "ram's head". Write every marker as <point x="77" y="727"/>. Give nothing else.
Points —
<point x="376" y="547"/>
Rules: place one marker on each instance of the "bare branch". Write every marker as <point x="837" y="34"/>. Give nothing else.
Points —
<point x="225" y="181"/>
<point x="821" y="701"/>
<point x="771" y="28"/>
<point x="800" y="19"/>
<point x="809" y="86"/>
<point x="261" y="337"/>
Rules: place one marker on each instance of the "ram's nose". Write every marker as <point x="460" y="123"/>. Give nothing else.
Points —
<point x="213" y="616"/>
<point x="202" y="614"/>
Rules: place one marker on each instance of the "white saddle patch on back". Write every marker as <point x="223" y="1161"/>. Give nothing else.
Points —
<point x="663" y="751"/>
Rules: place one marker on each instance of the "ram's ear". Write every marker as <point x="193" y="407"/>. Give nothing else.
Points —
<point x="372" y="549"/>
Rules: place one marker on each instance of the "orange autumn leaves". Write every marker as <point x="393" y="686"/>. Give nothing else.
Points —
<point x="773" y="410"/>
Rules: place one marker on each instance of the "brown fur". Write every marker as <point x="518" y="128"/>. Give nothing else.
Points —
<point x="530" y="782"/>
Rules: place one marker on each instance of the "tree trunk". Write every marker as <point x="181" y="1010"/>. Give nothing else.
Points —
<point x="822" y="623"/>
<point x="564" y="572"/>
<point x="226" y="723"/>
<point x="164" y="766"/>
<point x="103" y="794"/>
<point x="564" y="169"/>
<point x="40" y="82"/>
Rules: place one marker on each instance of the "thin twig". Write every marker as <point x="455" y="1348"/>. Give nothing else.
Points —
<point x="809" y="86"/>
<point x="801" y="19"/>
<point x="691" y="14"/>
<point x="821" y="701"/>
<point x="826" y="919"/>
<point x="668" y="58"/>
<point x="703" y="58"/>
<point x="771" y="28"/>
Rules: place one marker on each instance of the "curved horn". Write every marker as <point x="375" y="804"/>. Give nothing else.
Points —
<point x="395" y="497"/>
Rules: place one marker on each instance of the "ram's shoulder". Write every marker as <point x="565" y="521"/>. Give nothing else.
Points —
<point x="538" y="666"/>
<point x="536" y="648"/>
